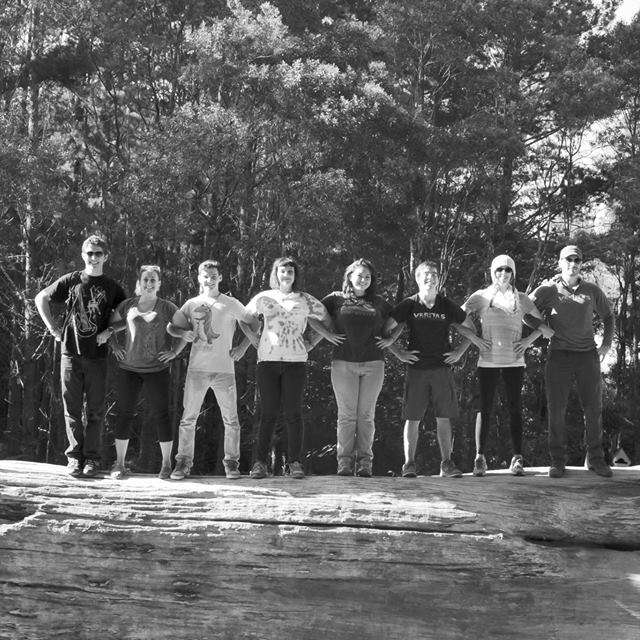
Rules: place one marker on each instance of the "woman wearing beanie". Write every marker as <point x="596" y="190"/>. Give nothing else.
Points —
<point x="500" y="309"/>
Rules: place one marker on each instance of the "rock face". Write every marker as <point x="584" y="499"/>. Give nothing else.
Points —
<point x="326" y="557"/>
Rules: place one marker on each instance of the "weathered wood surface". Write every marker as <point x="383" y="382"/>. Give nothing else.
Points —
<point x="326" y="557"/>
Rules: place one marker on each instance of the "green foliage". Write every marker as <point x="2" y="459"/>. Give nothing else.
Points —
<point x="331" y="130"/>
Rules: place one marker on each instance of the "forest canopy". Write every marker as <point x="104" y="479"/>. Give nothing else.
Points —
<point x="327" y="130"/>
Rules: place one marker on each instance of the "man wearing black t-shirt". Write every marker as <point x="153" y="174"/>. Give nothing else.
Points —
<point x="428" y="316"/>
<point x="89" y="298"/>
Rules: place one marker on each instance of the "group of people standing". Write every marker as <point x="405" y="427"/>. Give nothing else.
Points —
<point x="284" y="323"/>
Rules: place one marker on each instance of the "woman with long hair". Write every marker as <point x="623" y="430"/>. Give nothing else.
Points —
<point x="358" y="315"/>
<point x="282" y="356"/>
<point x="144" y="364"/>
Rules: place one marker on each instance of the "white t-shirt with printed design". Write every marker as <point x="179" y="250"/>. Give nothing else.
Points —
<point x="214" y="322"/>
<point x="285" y="319"/>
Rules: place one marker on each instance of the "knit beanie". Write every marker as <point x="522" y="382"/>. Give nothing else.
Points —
<point x="503" y="261"/>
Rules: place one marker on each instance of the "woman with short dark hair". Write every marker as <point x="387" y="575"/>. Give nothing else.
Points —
<point x="282" y="356"/>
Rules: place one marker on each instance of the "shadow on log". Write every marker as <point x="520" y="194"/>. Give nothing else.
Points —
<point x="326" y="557"/>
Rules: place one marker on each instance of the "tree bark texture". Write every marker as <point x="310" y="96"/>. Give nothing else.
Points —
<point x="326" y="557"/>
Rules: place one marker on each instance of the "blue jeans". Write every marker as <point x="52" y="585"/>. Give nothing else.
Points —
<point x="356" y="386"/>
<point x="281" y="382"/>
<point x="196" y="386"/>
<point x="83" y="380"/>
<point x="560" y="370"/>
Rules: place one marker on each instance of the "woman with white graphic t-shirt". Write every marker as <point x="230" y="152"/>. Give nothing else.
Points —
<point x="282" y="356"/>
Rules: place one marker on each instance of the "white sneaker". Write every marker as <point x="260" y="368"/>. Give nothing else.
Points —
<point x="517" y="466"/>
<point x="181" y="471"/>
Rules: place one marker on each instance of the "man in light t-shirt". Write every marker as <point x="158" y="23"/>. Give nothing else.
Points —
<point x="208" y="322"/>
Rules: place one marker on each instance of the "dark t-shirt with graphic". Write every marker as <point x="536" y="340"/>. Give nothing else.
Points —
<point x="361" y="321"/>
<point x="89" y="301"/>
<point x="429" y="327"/>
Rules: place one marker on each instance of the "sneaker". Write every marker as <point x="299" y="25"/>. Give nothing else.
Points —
<point x="181" y="470"/>
<point x="258" y="471"/>
<point x="295" y="470"/>
<point x="409" y="470"/>
<point x="556" y="470"/>
<point x="90" y="469"/>
<point x="480" y="465"/>
<point x="449" y="470"/>
<point x="117" y="471"/>
<point x="73" y="468"/>
<point x="364" y="471"/>
<point x="517" y="466"/>
<point x="600" y="467"/>
<point x="165" y="472"/>
<point x="231" y="469"/>
<point x="345" y="469"/>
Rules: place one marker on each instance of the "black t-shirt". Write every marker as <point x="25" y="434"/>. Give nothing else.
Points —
<point x="89" y="301"/>
<point x="428" y="327"/>
<point x="361" y="321"/>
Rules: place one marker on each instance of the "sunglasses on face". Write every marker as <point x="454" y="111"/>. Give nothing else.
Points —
<point x="97" y="254"/>
<point x="505" y="269"/>
<point x="575" y="260"/>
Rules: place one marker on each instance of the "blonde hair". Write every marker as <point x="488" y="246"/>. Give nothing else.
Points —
<point x="154" y="268"/>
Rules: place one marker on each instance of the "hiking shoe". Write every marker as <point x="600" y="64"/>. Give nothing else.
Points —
<point x="409" y="470"/>
<point x="480" y="465"/>
<point x="258" y="471"/>
<point x="556" y="470"/>
<point x="364" y="471"/>
<point x="117" y="471"/>
<point x="90" y="469"/>
<point x="517" y="466"/>
<point x="295" y="470"/>
<point x="165" y="472"/>
<point x="181" y="470"/>
<point x="231" y="469"/>
<point x="449" y="470"/>
<point x="73" y="468"/>
<point x="345" y="469"/>
<point x="600" y="467"/>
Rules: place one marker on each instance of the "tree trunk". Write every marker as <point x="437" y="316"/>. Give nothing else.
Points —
<point x="325" y="557"/>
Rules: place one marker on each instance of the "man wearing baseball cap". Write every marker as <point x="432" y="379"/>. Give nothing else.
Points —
<point x="569" y="304"/>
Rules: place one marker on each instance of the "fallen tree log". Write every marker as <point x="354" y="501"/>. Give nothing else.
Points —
<point x="326" y="557"/>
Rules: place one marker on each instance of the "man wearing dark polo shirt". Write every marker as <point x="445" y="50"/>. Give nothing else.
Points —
<point x="569" y="305"/>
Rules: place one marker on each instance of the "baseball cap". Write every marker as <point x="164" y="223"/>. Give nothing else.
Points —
<point x="571" y="250"/>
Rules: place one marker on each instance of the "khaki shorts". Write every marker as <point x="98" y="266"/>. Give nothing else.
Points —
<point x="423" y="385"/>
